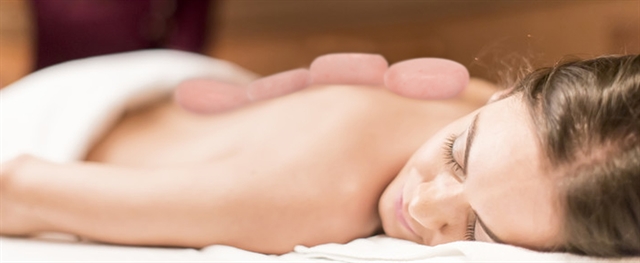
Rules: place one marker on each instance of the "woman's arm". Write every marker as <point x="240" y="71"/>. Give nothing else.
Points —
<point x="185" y="207"/>
<point x="109" y="204"/>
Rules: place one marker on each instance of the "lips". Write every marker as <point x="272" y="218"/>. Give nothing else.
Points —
<point x="400" y="214"/>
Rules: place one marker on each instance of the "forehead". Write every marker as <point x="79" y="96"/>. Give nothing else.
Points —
<point x="506" y="184"/>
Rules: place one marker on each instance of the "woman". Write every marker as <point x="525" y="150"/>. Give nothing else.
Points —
<point x="552" y="165"/>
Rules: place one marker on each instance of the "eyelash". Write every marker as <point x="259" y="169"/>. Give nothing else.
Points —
<point x="470" y="233"/>
<point x="451" y="161"/>
<point x="448" y="153"/>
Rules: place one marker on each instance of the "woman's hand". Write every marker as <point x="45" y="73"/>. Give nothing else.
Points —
<point x="17" y="217"/>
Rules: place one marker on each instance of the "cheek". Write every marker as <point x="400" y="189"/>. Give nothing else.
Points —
<point x="426" y="162"/>
<point x="428" y="159"/>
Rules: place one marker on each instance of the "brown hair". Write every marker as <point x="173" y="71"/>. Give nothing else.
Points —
<point x="588" y="118"/>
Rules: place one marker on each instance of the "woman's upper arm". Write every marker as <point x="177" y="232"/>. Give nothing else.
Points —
<point x="112" y="204"/>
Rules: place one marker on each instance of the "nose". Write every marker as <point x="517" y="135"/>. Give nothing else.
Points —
<point x="440" y="207"/>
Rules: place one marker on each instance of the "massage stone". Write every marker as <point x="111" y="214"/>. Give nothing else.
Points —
<point x="421" y="78"/>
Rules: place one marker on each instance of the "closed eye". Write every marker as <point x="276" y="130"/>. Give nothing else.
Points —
<point x="460" y="172"/>
<point x="450" y="159"/>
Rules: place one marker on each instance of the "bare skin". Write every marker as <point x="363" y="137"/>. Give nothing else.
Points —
<point x="308" y="168"/>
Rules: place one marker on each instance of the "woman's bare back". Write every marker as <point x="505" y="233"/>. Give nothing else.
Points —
<point x="309" y="166"/>
<point x="349" y="118"/>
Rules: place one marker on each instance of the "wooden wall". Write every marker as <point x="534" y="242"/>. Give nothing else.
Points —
<point x="271" y="36"/>
<point x="268" y="36"/>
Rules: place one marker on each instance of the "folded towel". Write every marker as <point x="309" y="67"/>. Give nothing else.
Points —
<point x="57" y="113"/>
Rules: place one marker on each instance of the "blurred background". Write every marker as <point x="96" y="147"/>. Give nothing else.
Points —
<point x="268" y="36"/>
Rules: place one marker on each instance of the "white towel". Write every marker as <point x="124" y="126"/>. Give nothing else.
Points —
<point x="57" y="113"/>
<point x="386" y="249"/>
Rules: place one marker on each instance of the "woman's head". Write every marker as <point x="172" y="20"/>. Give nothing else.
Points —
<point x="587" y="115"/>
<point x="554" y="165"/>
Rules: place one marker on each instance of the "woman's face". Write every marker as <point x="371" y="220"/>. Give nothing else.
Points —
<point x="479" y="178"/>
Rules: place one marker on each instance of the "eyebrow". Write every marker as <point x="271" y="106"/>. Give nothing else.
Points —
<point x="470" y="137"/>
